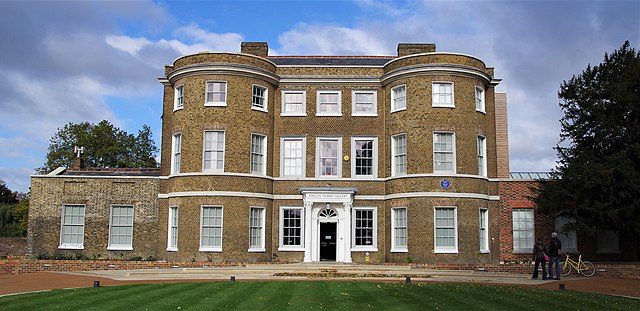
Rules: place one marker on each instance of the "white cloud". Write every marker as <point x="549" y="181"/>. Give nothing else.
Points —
<point x="126" y="44"/>
<point x="307" y="39"/>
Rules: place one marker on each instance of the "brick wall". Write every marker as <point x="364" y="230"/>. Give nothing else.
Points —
<point x="13" y="246"/>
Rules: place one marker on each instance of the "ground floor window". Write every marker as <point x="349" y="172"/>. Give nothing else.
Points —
<point x="211" y="228"/>
<point x="568" y="239"/>
<point x="72" y="229"/>
<point x="446" y="232"/>
<point x="522" y="230"/>
<point x="399" y="229"/>
<point x="291" y="228"/>
<point x="484" y="230"/>
<point x="121" y="228"/>
<point x="608" y="242"/>
<point x="256" y="229"/>
<point x="172" y="240"/>
<point x="365" y="228"/>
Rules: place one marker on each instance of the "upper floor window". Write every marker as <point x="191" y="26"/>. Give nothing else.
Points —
<point x="293" y="156"/>
<point x="482" y="156"/>
<point x="258" y="154"/>
<point x="178" y="97"/>
<point x="328" y="162"/>
<point x="480" y="99"/>
<point x="259" y="98"/>
<point x="399" y="155"/>
<point x="121" y="228"/>
<point x="446" y="230"/>
<point x="444" y="156"/>
<point x="72" y="229"/>
<point x="216" y="94"/>
<point x="364" y="157"/>
<point x="213" y="158"/>
<point x="364" y="103"/>
<point x="399" y="98"/>
<point x="442" y="94"/>
<point x="294" y="103"/>
<point x="176" y="152"/>
<point x="329" y="103"/>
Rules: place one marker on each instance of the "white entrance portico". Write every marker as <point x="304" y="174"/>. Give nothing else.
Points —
<point x="327" y="223"/>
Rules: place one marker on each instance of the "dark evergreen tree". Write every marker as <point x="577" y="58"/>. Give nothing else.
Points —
<point x="597" y="179"/>
<point x="104" y="146"/>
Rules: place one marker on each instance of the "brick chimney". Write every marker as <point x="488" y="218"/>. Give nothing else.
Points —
<point x="255" y="48"/>
<point x="405" y="49"/>
<point x="502" y="135"/>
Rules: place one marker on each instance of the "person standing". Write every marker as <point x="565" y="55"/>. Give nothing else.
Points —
<point x="554" y="255"/>
<point x="538" y="256"/>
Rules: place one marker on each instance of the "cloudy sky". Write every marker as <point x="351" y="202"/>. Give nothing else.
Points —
<point x="74" y="61"/>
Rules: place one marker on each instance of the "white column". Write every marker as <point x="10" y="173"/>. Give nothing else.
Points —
<point x="346" y="226"/>
<point x="307" y="231"/>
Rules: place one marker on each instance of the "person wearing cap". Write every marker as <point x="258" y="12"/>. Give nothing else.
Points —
<point x="554" y="255"/>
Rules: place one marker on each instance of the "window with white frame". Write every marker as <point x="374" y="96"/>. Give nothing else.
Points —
<point x="172" y="229"/>
<point x="329" y="103"/>
<point x="213" y="158"/>
<point x="399" y="155"/>
<point x="72" y="229"/>
<point x="258" y="154"/>
<point x="211" y="228"/>
<point x="399" y="233"/>
<point x="364" y="103"/>
<point x="484" y="230"/>
<point x="523" y="234"/>
<point x="176" y="146"/>
<point x="328" y="151"/>
<point x="446" y="230"/>
<point x="293" y="156"/>
<point x="480" y="99"/>
<point x="442" y="94"/>
<point x="178" y="97"/>
<point x="121" y="228"/>
<point x="216" y="94"/>
<point x="294" y="103"/>
<point x="482" y="156"/>
<point x="399" y="98"/>
<point x="365" y="220"/>
<point x="568" y="239"/>
<point x="259" y="98"/>
<point x="256" y="229"/>
<point x="364" y="155"/>
<point x="444" y="156"/>
<point x="291" y="229"/>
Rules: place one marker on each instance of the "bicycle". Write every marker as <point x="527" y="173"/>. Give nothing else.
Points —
<point x="585" y="268"/>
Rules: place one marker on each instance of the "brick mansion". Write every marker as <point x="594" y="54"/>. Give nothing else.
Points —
<point x="378" y="159"/>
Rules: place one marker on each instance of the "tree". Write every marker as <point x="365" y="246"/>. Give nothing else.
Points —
<point x="14" y="213"/>
<point x="6" y="195"/>
<point x="597" y="179"/>
<point x="104" y="146"/>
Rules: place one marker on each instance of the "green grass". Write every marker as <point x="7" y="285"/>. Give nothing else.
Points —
<point x="314" y="295"/>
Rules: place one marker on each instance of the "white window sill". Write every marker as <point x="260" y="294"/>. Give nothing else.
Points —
<point x="257" y="250"/>
<point x="120" y="248"/>
<point x="210" y="249"/>
<point x="445" y="251"/>
<point x="328" y="115"/>
<point x="259" y="109"/>
<point x="178" y="108"/>
<point x="215" y="104"/>
<point x="212" y="171"/>
<point x="399" y="250"/>
<point x="71" y="247"/>
<point x="293" y="114"/>
<point x="442" y="106"/>
<point x="364" y="177"/>
<point x="328" y="177"/>
<point x="291" y="249"/>
<point x="172" y="249"/>
<point x="399" y="109"/>
<point x="363" y="249"/>
<point x="481" y="111"/>
<point x="485" y="251"/>
<point x="444" y="173"/>
<point x="364" y="115"/>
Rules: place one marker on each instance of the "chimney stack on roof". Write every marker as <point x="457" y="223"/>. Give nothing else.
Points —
<point x="255" y="48"/>
<point x="405" y="49"/>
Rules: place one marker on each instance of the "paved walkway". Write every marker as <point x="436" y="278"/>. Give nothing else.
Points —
<point x="11" y="284"/>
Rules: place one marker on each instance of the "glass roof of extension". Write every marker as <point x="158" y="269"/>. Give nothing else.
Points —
<point x="530" y="175"/>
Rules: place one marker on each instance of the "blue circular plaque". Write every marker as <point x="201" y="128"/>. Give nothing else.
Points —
<point x="445" y="184"/>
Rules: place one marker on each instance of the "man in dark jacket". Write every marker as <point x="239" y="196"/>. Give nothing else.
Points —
<point x="554" y="255"/>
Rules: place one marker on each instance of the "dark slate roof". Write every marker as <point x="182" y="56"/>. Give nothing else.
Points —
<point x="92" y="171"/>
<point x="331" y="60"/>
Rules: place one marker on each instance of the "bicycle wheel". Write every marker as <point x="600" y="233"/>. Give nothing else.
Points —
<point x="587" y="268"/>
<point x="565" y="268"/>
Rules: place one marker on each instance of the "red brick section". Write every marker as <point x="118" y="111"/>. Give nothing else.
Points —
<point x="151" y="170"/>
<point x="21" y="266"/>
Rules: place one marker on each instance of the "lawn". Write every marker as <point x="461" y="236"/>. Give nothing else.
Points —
<point x="313" y="295"/>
